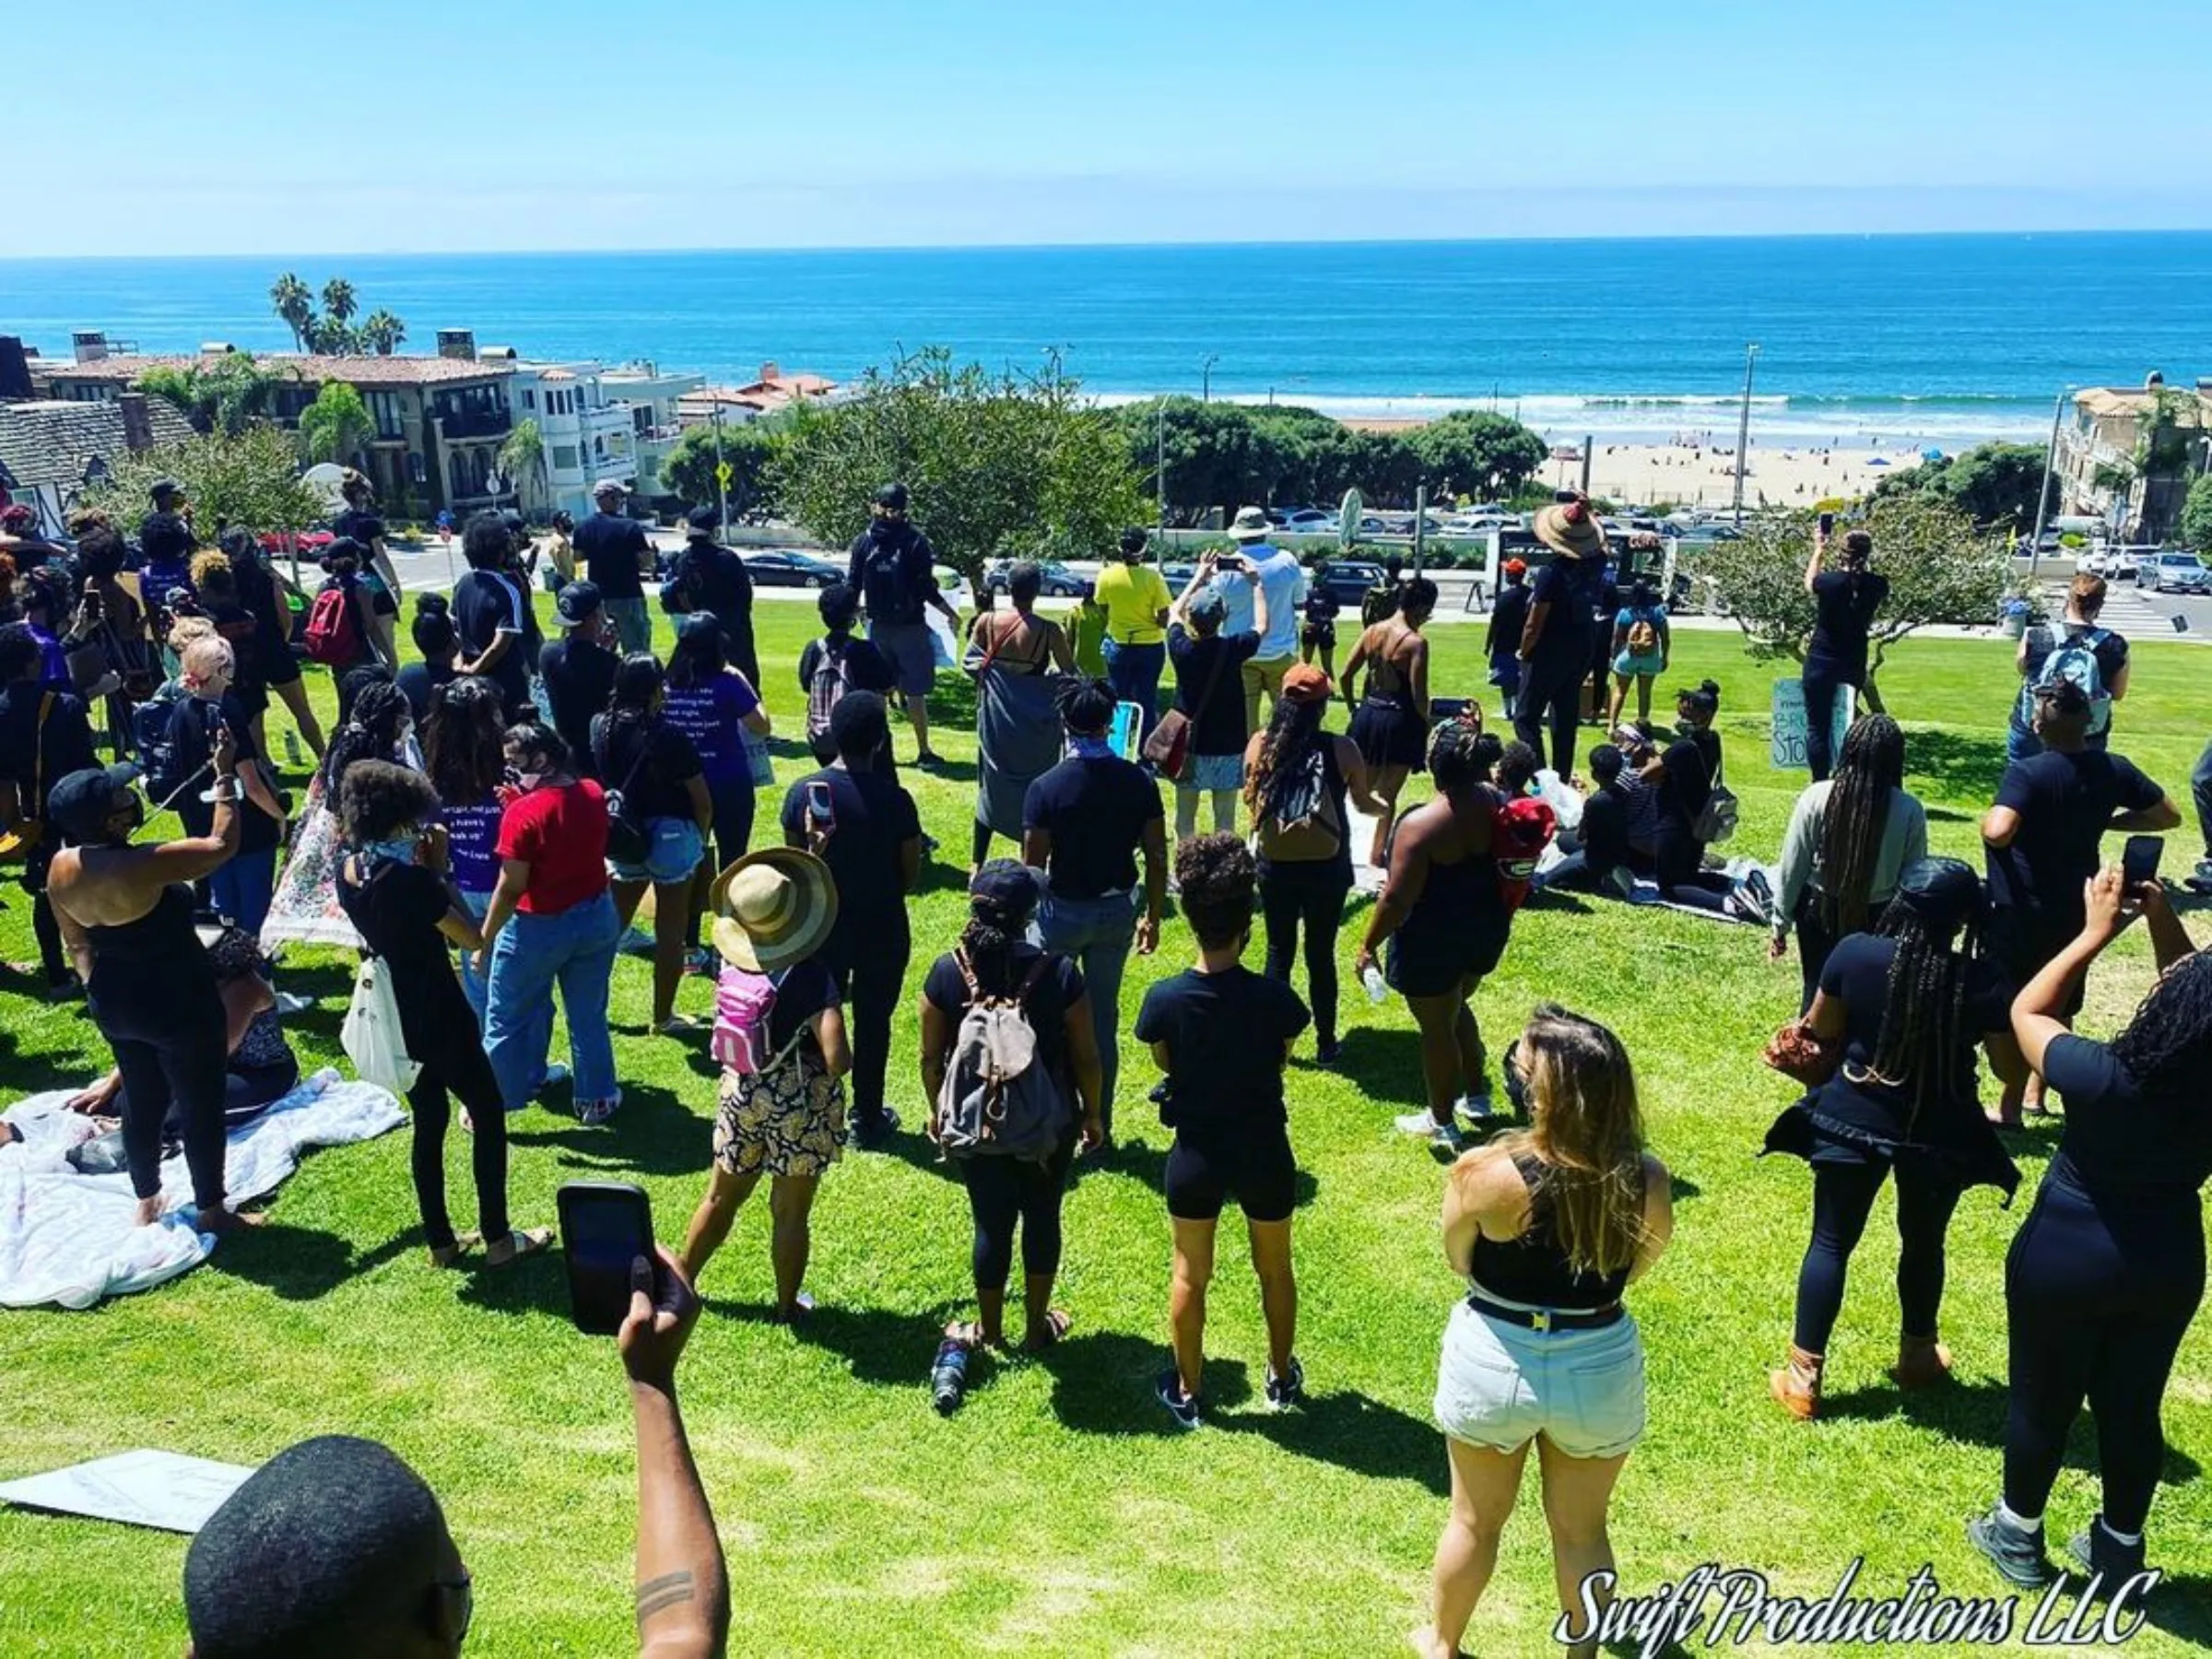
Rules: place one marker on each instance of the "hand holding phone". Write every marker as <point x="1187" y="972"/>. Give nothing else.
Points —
<point x="605" y="1226"/>
<point x="1827" y="525"/>
<point x="663" y="1309"/>
<point x="821" y="808"/>
<point x="2139" y="866"/>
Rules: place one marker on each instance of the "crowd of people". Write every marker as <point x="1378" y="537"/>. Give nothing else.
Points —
<point x="486" y="822"/>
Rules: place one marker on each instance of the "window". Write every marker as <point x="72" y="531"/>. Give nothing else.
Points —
<point x="564" y="457"/>
<point x="385" y="410"/>
<point x="456" y="470"/>
<point x="529" y="398"/>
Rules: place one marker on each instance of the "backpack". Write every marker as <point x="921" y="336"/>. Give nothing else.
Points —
<point x="333" y="629"/>
<point x="1716" y="818"/>
<point x="742" y="1002"/>
<point x="1519" y="831"/>
<point x="824" y="691"/>
<point x="157" y="762"/>
<point x="1643" y="635"/>
<point x="1301" y="823"/>
<point x="997" y="1101"/>
<point x="685" y="591"/>
<point x="2074" y="660"/>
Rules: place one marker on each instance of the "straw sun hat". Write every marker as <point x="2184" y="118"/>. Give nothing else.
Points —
<point x="1569" y="527"/>
<point x="774" y="908"/>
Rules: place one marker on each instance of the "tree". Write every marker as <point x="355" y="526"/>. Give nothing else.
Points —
<point x="289" y="299"/>
<point x="337" y="426"/>
<point x="687" y="472"/>
<point x="381" y="332"/>
<point x="1942" y="569"/>
<point x="227" y="397"/>
<point x="2196" y="515"/>
<point x="522" y="461"/>
<point x="338" y="303"/>
<point x="249" y="478"/>
<point x="999" y="465"/>
<point x="1994" y="485"/>
<point x="1478" y="451"/>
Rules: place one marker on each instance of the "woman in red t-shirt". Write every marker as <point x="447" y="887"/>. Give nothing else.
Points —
<point x="552" y="921"/>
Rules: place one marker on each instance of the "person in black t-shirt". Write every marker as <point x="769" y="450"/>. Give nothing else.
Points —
<point x="241" y="888"/>
<point x="1685" y="775"/>
<point x="656" y="771"/>
<point x="440" y="643"/>
<point x="579" y="668"/>
<point x="42" y="742"/>
<point x="380" y="582"/>
<point x="1222" y="1034"/>
<point x="1083" y="824"/>
<point x="892" y="567"/>
<point x="1907" y="1006"/>
<point x="1845" y="602"/>
<point x="2043" y="836"/>
<point x="836" y="663"/>
<point x="1605" y="861"/>
<point x="710" y="578"/>
<point x="853" y="816"/>
<point x="1209" y="690"/>
<point x="488" y="611"/>
<point x="1006" y="1193"/>
<point x="1502" y="640"/>
<point x="614" y="553"/>
<point x="1555" y="651"/>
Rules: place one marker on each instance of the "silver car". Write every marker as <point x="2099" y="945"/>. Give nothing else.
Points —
<point x="2180" y="573"/>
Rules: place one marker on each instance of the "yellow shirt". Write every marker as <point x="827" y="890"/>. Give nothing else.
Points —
<point x="1134" y="596"/>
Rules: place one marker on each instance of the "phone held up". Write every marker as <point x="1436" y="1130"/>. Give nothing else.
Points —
<point x="604" y="1226"/>
<point x="2139" y="864"/>
<point x="1827" y="524"/>
<point x="821" y="807"/>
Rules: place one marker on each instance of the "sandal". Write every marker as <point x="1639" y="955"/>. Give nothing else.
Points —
<point x="519" y="1242"/>
<point x="1057" y="1322"/>
<point x="449" y="1255"/>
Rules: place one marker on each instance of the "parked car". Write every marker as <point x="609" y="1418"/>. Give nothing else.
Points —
<point x="1310" y="521"/>
<point x="1060" y="582"/>
<point x="778" y="567"/>
<point x="2177" y="572"/>
<point x="1347" y="581"/>
<point x="310" y="543"/>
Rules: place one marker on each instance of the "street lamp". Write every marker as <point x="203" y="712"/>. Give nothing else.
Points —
<point x="1206" y="373"/>
<point x="1743" y="431"/>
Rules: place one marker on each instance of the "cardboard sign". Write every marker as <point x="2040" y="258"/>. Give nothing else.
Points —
<point x="162" y="1489"/>
<point x="1790" y="725"/>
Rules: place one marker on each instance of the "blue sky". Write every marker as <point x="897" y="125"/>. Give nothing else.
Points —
<point x="250" y="127"/>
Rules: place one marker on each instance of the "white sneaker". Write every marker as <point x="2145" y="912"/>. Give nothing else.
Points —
<point x="1415" y="1122"/>
<point x="288" y="1004"/>
<point x="1476" y="1108"/>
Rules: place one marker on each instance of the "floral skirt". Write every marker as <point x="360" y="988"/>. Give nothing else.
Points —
<point x="788" y="1120"/>
<point x="305" y="909"/>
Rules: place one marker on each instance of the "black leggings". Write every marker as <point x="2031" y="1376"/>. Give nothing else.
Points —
<point x="189" y="1068"/>
<point x="2097" y="1297"/>
<point x="1311" y="895"/>
<point x="465" y="1073"/>
<point x="1551" y="694"/>
<point x="1822" y="684"/>
<point x="1683" y="879"/>
<point x="1003" y="1192"/>
<point x="871" y="989"/>
<point x="42" y="925"/>
<point x="1843" y="1197"/>
<point x="733" y="820"/>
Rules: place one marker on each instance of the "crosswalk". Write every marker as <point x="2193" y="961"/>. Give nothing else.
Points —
<point x="2127" y="609"/>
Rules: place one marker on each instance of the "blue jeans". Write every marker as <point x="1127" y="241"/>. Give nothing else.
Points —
<point x="474" y="986"/>
<point x="1134" y="671"/>
<point x="1098" y="933"/>
<point x="575" y="949"/>
<point x="242" y="887"/>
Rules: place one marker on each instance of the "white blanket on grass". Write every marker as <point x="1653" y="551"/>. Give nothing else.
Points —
<point x="69" y="1238"/>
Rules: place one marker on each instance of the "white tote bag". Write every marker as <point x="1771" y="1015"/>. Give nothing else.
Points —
<point x="371" y="1035"/>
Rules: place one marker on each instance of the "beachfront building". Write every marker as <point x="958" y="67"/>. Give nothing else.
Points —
<point x="770" y="393"/>
<point x="437" y="422"/>
<point x="52" y="452"/>
<point x="2129" y="453"/>
<point x="596" y="423"/>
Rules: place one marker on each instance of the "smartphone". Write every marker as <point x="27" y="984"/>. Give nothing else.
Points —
<point x="821" y="807"/>
<point x="2139" y="860"/>
<point x="604" y="1226"/>
<point x="1828" y="523"/>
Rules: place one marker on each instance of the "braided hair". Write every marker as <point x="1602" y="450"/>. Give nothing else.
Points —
<point x="1461" y="756"/>
<point x="464" y="740"/>
<point x="1293" y="733"/>
<point x="1871" y="767"/>
<point x="1923" y="1011"/>
<point x="370" y="733"/>
<point x="1086" y="706"/>
<point x="2170" y="1036"/>
<point x="988" y="941"/>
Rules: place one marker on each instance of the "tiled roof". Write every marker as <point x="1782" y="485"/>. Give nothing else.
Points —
<point x="353" y="371"/>
<point x="48" y="443"/>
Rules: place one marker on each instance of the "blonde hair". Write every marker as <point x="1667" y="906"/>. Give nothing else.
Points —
<point x="187" y="631"/>
<point x="206" y="561"/>
<point x="206" y="657"/>
<point x="1587" y="1133"/>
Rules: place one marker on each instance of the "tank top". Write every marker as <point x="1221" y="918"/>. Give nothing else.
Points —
<point x="1386" y="681"/>
<point x="155" y="939"/>
<point x="1533" y="1268"/>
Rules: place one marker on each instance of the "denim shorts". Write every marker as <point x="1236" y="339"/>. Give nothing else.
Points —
<point x="1202" y="773"/>
<point x="674" y="847"/>
<point x="1500" y="1385"/>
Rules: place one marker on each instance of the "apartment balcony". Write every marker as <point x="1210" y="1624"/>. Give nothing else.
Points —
<point x="475" y="423"/>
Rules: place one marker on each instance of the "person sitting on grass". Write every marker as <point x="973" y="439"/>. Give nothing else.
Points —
<point x="1604" y="861"/>
<point x="1222" y="1034"/>
<point x="1445" y="916"/>
<point x="780" y="1109"/>
<point x="335" y="1548"/>
<point x="1549" y="1226"/>
<point x="995" y="962"/>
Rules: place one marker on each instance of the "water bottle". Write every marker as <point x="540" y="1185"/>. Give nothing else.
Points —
<point x="292" y="755"/>
<point x="1377" y="991"/>
<point x="948" y="1376"/>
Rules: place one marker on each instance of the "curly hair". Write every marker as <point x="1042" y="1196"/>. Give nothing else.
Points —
<point x="1217" y="878"/>
<point x="1517" y="766"/>
<point x="2169" y="1041"/>
<point x="370" y="733"/>
<point x="1870" y="770"/>
<point x="464" y="740"/>
<point x="379" y="796"/>
<point x="1586" y="1131"/>
<point x="212" y="575"/>
<point x="1293" y="733"/>
<point x="1087" y="705"/>
<point x="1462" y="756"/>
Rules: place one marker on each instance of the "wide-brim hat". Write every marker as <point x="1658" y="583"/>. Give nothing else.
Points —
<point x="1569" y="527"/>
<point x="774" y="908"/>
<point x="1250" y="525"/>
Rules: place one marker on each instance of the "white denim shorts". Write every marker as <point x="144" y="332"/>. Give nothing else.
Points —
<point x="1500" y="1385"/>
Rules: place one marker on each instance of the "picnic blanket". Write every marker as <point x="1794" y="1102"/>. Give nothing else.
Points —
<point x="68" y="1238"/>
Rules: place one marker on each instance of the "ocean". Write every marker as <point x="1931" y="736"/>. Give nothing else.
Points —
<point x="1924" y="339"/>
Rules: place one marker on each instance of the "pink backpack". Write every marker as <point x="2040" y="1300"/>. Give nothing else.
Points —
<point x="742" y="1002"/>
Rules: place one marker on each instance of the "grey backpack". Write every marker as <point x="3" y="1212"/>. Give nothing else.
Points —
<point x="998" y="1100"/>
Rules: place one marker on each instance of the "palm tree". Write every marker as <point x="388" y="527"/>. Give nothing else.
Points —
<point x="338" y="300"/>
<point x="381" y="332"/>
<point x="522" y="459"/>
<point x="288" y="297"/>
<point x="337" y="426"/>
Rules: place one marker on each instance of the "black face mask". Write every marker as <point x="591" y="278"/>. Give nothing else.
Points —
<point x="883" y="529"/>
<point x="137" y="822"/>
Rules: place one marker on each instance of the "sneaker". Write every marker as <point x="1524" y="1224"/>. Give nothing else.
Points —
<point x="592" y="1113"/>
<point x="2017" y="1554"/>
<point x="2199" y="880"/>
<point x="2107" y="1564"/>
<point x="1478" y="1108"/>
<point x="556" y="1074"/>
<point x="1759" y="890"/>
<point x="1415" y="1122"/>
<point x="867" y="1136"/>
<point x="1622" y="881"/>
<point x="1287" y="1390"/>
<point x="1328" y="1054"/>
<point x="636" y="942"/>
<point x="703" y="962"/>
<point x="288" y="1004"/>
<point x="1186" y="1411"/>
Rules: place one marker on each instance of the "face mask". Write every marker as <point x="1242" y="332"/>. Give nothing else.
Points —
<point x="529" y="780"/>
<point x="882" y="529"/>
<point x="399" y="850"/>
<point x="135" y="819"/>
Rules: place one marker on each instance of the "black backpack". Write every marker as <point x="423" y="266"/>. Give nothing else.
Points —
<point x="158" y="763"/>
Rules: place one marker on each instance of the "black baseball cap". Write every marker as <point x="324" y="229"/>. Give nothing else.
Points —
<point x="892" y="497"/>
<point x="703" y="521"/>
<point x="163" y="486"/>
<point x="579" y="602"/>
<point x="1005" y="885"/>
<point x="82" y="803"/>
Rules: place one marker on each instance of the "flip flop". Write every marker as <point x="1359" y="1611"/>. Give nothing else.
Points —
<point x="450" y="1254"/>
<point x="525" y="1241"/>
<point x="1058" y="1322"/>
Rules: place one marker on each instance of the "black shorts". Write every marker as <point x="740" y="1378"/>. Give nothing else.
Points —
<point x="1259" y="1172"/>
<point x="1436" y="950"/>
<point x="1322" y="634"/>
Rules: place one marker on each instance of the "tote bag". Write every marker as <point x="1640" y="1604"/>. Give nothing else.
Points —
<point x="371" y="1035"/>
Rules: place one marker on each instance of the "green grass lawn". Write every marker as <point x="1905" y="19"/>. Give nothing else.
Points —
<point x="1056" y="1512"/>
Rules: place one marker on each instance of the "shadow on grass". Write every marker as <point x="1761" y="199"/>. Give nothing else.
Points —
<point x="1102" y="1384"/>
<point x="1956" y="766"/>
<point x="302" y="1263"/>
<point x="323" y="981"/>
<point x="1352" y="1432"/>
<point x="1382" y="1062"/>
<point x="2182" y="1606"/>
<point x="34" y="1071"/>
<point x="1975" y="1412"/>
<point x="654" y="1134"/>
<point x="884" y="1345"/>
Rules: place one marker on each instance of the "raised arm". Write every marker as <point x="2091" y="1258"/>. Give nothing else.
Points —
<point x="683" y="1592"/>
<point x="1812" y="565"/>
<point x="2037" y="1012"/>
